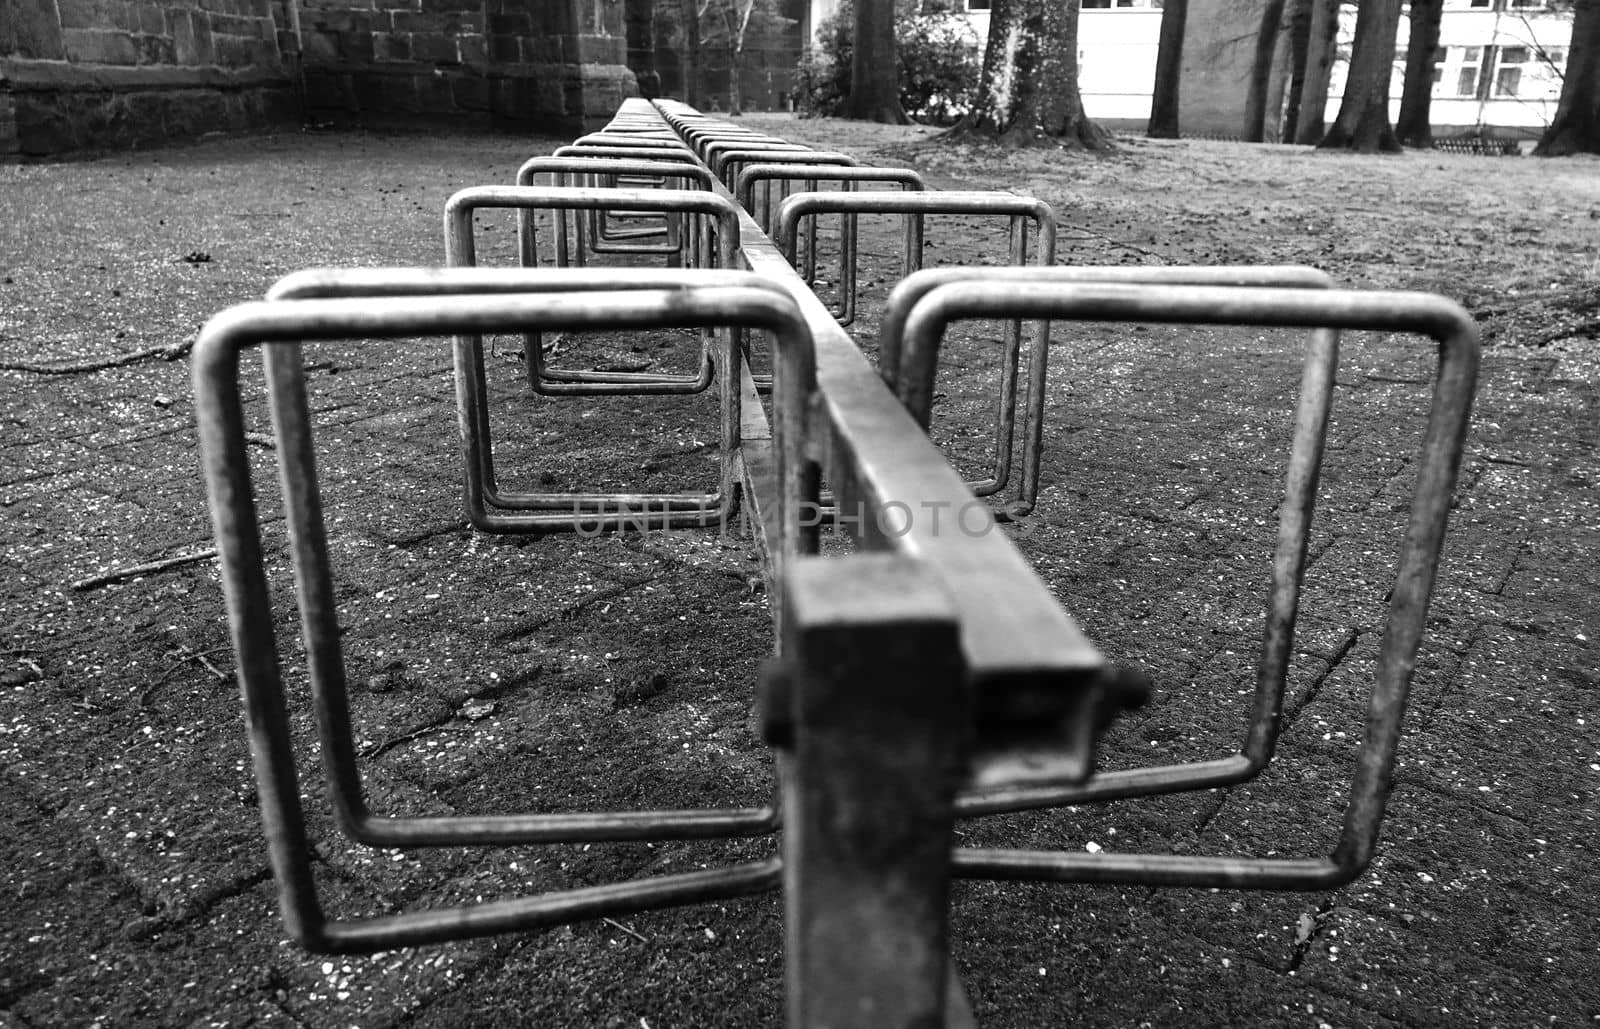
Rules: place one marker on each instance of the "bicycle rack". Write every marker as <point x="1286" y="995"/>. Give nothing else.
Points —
<point x="810" y="178"/>
<point x="913" y="380"/>
<point x="280" y="326"/>
<point x="591" y="234"/>
<point x="1442" y="321"/>
<point x="944" y="682"/>
<point x="1020" y="211"/>
<point x="527" y="201"/>
<point x="729" y="162"/>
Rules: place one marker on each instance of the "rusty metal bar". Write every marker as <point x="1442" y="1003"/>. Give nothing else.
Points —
<point x="1036" y="678"/>
<point x="874" y="712"/>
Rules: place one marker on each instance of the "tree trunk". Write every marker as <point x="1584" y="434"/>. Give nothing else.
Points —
<point x="874" y="71"/>
<point x="1363" y="121"/>
<point x="1576" y="126"/>
<point x="691" y="53"/>
<point x="1169" y="70"/>
<point x="735" y="82"/>
<point x="1321" y="49"/>
<point x="1255" y="103"/>
<point x="1415" y="125"/>
<point x="1028" y="93"/>
<point x="1299" y="30"/>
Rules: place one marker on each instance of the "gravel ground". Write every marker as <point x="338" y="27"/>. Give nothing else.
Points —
<point x="617" y="671"/>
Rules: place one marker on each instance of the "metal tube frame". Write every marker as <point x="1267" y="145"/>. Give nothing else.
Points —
<point x="592" y="234"/>
<point x="560" y="201"/>
<point x="494" y="509"/>
<point x="220" y="416"/>
<point x="1020" y="211"/>
<point x="914" y="386"/>
<point x="1456" y="333"/>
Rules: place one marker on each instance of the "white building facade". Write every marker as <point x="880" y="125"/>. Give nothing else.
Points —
<point x="1497" y="69"/>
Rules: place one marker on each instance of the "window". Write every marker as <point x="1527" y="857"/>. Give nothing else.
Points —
<point x="1508" y="69"/>
<point x="1467" y="77"/>
<point x="977" y="5"/>
<point x="1439" y="53"/>
<point x="1094" y="4"/>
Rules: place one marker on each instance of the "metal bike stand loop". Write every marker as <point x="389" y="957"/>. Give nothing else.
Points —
<point x="280" y="326"/>
<point x="729" y="162"/>
<point x="914" y="384"/>
<point x="1440" y="320"/>
<point x="1019" y="212"/>
<point x="810" y="177"/>
<point x="787" y="172"/>
<point x="591" y="234"/>
<point x="716" y="245"/>
<point x="507" y="511"/>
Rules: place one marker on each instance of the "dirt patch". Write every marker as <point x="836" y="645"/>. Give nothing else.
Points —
<point x="564" y="673"/>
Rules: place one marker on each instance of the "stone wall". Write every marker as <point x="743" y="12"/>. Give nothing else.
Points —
<point x="77" y="74"/>
<point x="99" y="74"/>
<point x="509" y="63"/>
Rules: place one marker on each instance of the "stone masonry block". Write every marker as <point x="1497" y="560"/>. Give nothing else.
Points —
<point x="434" y="48"/>
<point x="444" y="22"/>
<point x="124" y="16"/>
<point x="10" y="139"/>
<point x="595" y="49"/>
<point x="79" y="14"/>
<point x="156" y="49"/>
<point x="391" y="46"/>
<point x="329" y="91"/>
<point x="343" y="21"/>
<point x="541" y="50"/>
<point x="356" y="46"/>
<point x="505" y="49"/>
<point x="95" y="46"/>
<point x="384" y="94"/>
<point x="511" y="23"/>
<point x="236" y="52"/>
<point x="321" y="47"/>
<point x="32" y="28"/>
<point x="474" y="50"/>
<point x="434" y="95"/>
<point x="470" y="92"/>
<point x="152" y="20"/>
<point x="191" y="36"/>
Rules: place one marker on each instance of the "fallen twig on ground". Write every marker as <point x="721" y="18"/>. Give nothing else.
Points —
<point x="133" y="571"/>
<point x="171" y="353"/>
